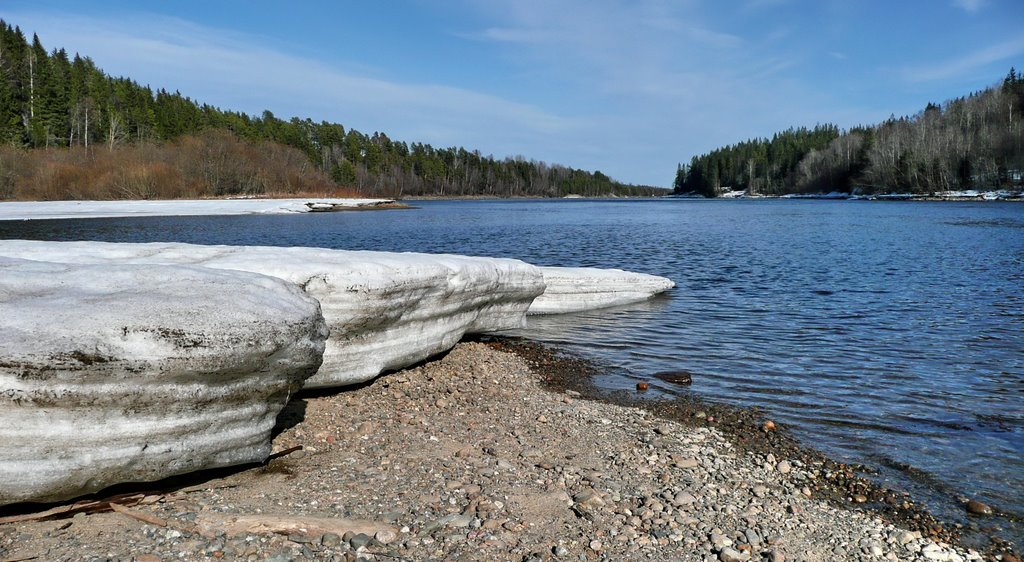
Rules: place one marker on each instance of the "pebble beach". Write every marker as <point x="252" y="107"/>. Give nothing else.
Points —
<point x="488" y="453"/>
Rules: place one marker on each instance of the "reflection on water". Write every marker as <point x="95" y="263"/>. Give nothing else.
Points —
<point x="890" y="333"/>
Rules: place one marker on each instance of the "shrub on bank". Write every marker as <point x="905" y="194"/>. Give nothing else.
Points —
<point x="213" y="163"/>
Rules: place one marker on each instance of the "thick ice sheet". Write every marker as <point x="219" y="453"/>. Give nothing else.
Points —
<point x="33" y="210"/>
<point x="122" y="373"/>
<point x="575" y="289"/>
<point x="385" y="310"/>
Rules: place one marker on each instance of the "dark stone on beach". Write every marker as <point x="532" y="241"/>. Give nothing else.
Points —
<point x="360" y="541"/>
<point x="977" y="508"/>
<point x="641" y="386"/>
<point x="675" y="377"/>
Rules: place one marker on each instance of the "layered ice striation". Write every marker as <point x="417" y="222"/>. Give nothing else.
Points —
<point x="127" y="373"/>
<point x="575" y="289"/>
<point x="133" y="362"/>
<point x="385" y="310"/>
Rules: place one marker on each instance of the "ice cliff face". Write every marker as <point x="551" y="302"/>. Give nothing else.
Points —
<point x="385" y="310"/>
<point x="133" y="362"/>
<point x="574" y="289"/>
<point x="122" y="373"/>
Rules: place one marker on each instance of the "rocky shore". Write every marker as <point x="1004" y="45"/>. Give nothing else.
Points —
<point x="489" y="453"/>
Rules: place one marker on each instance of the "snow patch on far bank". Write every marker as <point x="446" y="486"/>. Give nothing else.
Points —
<point x="35" y="210"/>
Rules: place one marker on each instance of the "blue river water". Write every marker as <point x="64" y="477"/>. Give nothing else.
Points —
<point x="885" y="333"/>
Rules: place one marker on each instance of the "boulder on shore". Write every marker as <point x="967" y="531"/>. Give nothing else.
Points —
<point x="133" y="373"/>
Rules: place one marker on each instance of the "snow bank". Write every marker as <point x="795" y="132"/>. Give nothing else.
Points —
<point x="26" y="210"/>
<point x="575" y="289"/>
<point x="121" y="373"/>
<point x="385" y="310"/>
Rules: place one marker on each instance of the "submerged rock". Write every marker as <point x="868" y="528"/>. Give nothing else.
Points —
<point x="574" y="289"/>
<point x="130" y="373"/>
<point x="675" y="377"/>
<point x="977" y="508"/>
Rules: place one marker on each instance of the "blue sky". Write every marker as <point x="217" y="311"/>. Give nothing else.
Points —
<point x="630" y="88"/>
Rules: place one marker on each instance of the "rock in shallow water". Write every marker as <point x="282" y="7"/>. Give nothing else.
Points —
<point x="977" y="508"/>
<point x="127" y="373"/>
<point x="675" y="377"/>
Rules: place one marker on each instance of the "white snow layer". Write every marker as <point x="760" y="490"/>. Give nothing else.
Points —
<point x="32" y="210"/>
<point x="575" y="289"/>
<point x="121" y="373"/>
<point x="385" y="310"/>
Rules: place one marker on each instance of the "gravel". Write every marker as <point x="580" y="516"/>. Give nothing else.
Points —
<point x="470" y="457"/>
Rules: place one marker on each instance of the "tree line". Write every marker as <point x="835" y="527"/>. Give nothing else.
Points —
<point x="972" y="142"/>
<point x="50" y="100"/>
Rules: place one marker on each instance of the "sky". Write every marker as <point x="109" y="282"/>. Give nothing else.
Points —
<point x="628" y="87"/>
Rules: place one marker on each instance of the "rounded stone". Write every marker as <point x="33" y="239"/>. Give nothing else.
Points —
<point x="385" y="536"/>
<point x="975" y="507"/>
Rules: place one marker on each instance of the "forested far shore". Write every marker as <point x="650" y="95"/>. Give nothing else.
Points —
<point x="972" y="142"/>
<point x="62" y="117"/>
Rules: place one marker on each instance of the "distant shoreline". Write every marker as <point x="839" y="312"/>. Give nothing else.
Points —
<point x="523" y="197"/>
<point x="957" y="196"/>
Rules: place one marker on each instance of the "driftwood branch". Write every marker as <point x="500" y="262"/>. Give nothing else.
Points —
<point x="144" y="517"/>
<point x="283" y="452"/>
<point x="86" y="506"/>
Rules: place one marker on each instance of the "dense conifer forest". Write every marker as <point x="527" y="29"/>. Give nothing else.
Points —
<point x="68" y="130"/>
<point x="973" y="142"/>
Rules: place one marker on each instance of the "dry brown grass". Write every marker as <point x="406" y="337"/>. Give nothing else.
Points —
<point x="210" y="164"/>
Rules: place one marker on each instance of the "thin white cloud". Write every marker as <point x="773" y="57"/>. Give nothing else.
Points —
<point x="970" y="6"/>
<point x="614" y="47"/>
<point x="509" y="35"/>
<point x="968" y="63"/>
<point x="714" y="38"/>
<point x="763" y="4"/>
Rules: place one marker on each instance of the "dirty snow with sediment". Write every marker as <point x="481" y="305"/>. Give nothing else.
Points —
<point x="124" y="373"/>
